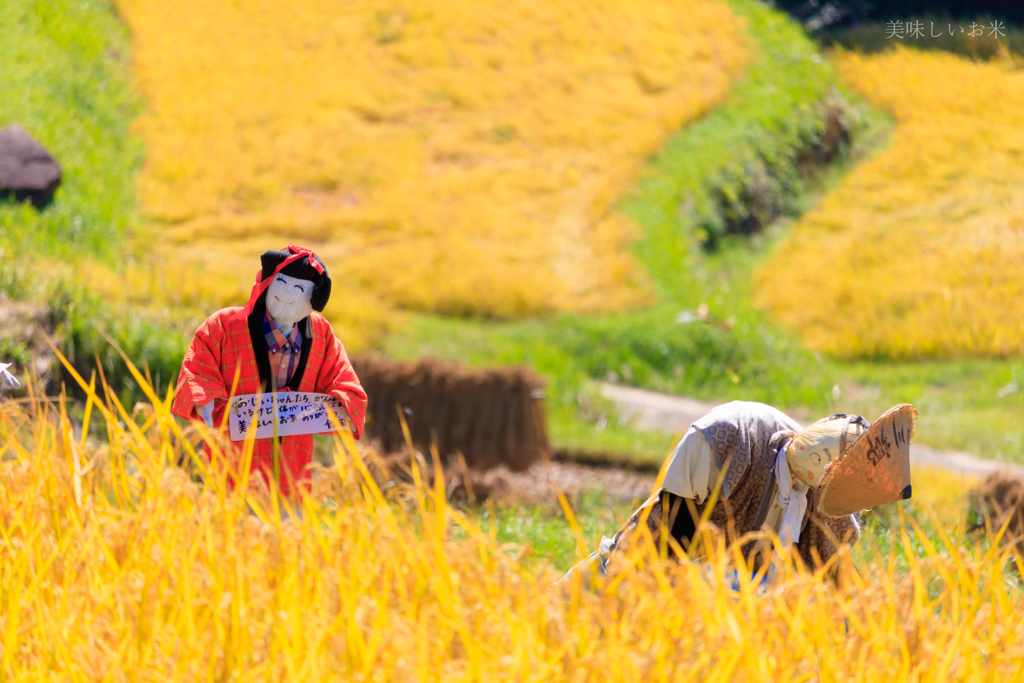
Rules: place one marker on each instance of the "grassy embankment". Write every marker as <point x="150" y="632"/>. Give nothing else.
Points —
<point x="65" y="80"/>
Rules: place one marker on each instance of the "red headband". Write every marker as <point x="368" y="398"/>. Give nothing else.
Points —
<point x="261" y="284"/>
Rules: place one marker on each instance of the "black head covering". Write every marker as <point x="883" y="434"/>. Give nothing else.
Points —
<point x="302" y="270"/>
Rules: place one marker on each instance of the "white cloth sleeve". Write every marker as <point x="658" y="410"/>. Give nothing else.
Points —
<point x="692" y="470"/>
<point x="792" y="499"/>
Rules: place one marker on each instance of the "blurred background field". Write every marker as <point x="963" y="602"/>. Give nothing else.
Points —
<point x="169" y="196"/>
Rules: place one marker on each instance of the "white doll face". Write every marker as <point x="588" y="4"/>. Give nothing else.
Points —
<point x="288" y="299"/>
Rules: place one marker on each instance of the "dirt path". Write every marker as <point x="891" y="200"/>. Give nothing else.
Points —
<point x="671" y="414"/>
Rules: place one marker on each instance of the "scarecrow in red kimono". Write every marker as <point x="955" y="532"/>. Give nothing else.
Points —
<point x="277" y="342"/>
<point x="805" y="485"/>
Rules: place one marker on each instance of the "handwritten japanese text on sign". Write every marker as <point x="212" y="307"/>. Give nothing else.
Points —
<point x="297" y="412"/>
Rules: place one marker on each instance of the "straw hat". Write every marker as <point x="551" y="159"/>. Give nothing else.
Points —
<point x="874" y="470"/>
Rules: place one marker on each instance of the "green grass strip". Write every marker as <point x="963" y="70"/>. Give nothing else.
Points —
<point x="64" y="79"/>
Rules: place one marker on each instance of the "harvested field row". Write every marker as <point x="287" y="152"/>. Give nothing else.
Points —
<point x="487" y="417"/>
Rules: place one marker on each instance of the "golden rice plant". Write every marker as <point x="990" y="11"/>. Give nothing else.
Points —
<point x="115" y="565"/>
<point x="920" y="250"/>
<point x="460" y="157"/>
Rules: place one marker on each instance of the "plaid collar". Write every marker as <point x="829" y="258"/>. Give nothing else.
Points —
<point x="277" y="341"/>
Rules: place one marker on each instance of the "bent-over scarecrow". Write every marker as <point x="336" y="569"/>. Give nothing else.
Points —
<point x="803" y="484"/>
<point x="275" y="343"/>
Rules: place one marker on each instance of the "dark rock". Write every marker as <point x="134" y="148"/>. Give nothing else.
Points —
<point x="27" y="171"/>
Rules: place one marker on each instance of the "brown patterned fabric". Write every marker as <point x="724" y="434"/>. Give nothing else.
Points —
<point x="739" y="432"/>
<point x="751" y="434"/>
<point x="845" y="529"/>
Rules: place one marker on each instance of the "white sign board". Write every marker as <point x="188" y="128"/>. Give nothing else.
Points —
<point x="297" y="412"/>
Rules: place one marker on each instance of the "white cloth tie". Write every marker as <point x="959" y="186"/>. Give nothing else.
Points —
<point x="792" y="499"/>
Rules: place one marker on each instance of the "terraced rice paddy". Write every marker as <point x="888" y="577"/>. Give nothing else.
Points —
<point x="920" y="250"/>
<point x="451" y="157"/>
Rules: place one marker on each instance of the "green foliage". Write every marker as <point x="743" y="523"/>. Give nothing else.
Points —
<point x="739" y="167"/>
<point x="87" y="330"/>
<point x="655" y="351"/>
<point x="1007" y="10"/>
<point x="547" y="531"/>
<point x="64" y="80"/>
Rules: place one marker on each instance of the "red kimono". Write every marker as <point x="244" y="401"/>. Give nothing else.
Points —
<point x="226" y="344"/>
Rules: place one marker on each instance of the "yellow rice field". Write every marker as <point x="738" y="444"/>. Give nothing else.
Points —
<point x="920" y="250"/>
<point x="443" y="156"/>
<point x="116" y="566"/>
